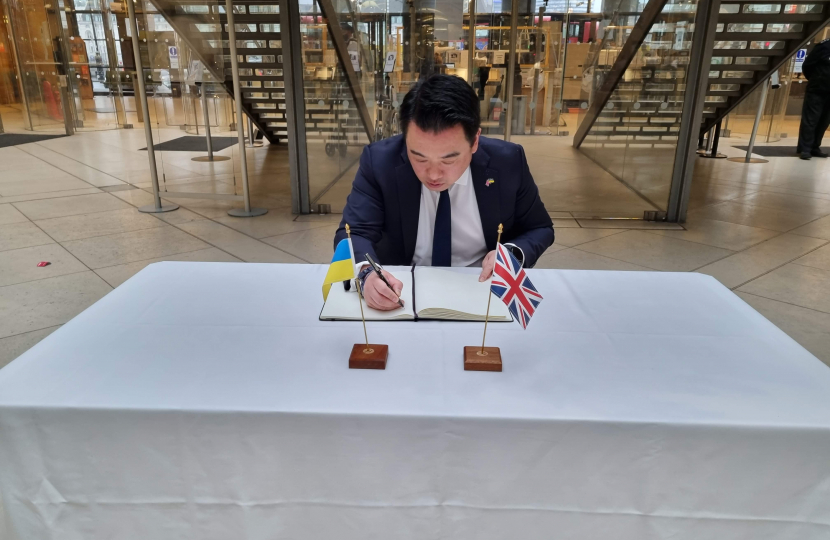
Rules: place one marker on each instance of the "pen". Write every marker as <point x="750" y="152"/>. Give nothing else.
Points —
<point x="376" y="268"/>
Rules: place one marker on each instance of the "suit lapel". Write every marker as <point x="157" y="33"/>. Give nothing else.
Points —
<point x="487" y="197"/>
<point x="409" y="197"/>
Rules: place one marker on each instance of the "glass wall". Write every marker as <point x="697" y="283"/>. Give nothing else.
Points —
<point x="11" y="97"/>
<point x="739" y="122"/>
<point x="335" y="132"/>
<point x="392" y="44"/>
<point x="37" y="33"/>
<point x="635" y="136"/>
<point x="89" y="42"/>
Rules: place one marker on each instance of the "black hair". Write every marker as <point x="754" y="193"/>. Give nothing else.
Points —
<point x="441" y="102"/>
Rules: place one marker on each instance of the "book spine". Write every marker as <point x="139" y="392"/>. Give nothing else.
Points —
<point x="414" y="307"/>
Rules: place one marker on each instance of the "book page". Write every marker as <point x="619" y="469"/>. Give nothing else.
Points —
<point x="441" y="293"/>
<point x="343" y="305"/>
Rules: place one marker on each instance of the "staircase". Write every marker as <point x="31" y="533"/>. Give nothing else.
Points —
<point x="331" y="112"/>
<point x="641" y="92"/>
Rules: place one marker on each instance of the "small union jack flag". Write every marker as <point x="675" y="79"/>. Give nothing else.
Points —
<point x="511" y="284"/>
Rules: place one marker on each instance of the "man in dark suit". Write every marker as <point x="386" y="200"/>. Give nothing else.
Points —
<point x="436" y="194"/>
<point x="815" y="114"/>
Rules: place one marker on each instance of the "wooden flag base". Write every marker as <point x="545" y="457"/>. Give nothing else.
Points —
<point x="368" y="356"/>
<point x="475" y="360"/>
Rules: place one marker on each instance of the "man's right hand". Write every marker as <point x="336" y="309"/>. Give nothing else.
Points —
<point x="378" y="295"/>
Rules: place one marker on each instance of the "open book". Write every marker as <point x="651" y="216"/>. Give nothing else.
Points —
<point x="428" y="293"/>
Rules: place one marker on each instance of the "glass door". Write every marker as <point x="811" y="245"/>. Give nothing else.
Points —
<point x="34" y="28"/>
<point x="69" y="63"/>
<point x="94" y="63"/>
<point x="12" y="114"/>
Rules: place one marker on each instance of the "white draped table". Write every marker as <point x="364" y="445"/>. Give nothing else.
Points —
<point x="207" y="401"/>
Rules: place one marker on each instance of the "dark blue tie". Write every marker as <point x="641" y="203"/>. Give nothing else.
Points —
<point x="442" y="235"/>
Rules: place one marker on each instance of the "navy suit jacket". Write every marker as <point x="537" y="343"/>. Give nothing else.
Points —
<point x="383" y="208"/>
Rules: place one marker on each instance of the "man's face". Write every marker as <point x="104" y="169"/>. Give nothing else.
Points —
<point x="439" y="159"/>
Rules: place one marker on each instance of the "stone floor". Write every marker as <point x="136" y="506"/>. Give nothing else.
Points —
<point x="762" y="230"/>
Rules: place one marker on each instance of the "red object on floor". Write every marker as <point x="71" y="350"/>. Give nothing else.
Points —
<point x="43" y="263"/>
<point x="51" y="104"/>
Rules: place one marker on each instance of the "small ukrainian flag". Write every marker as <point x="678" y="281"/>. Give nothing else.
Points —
<point x="342" y="266"/>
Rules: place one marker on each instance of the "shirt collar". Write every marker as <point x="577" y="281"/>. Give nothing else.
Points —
<point x="465" y="177"/>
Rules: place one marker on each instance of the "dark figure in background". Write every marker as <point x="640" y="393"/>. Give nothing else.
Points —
<point x="815" y="116"/>
<point x="483" y="76"/>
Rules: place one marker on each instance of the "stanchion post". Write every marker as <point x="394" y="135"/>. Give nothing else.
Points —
<point x="145" y="113"/>
<point x="208" y="139"/>
<point x="207" y="122"/>
<point x="252" y="142"/>
<point x="67" y="113"/>
<point x="758" y="115"/>
<point x="237" y="97"/>
<point x="714" y="136"/>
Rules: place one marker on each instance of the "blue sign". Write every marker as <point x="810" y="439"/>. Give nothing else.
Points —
<point x="800" y="55"/>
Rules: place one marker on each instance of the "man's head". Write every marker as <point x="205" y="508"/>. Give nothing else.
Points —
<point x="440" y="120"/>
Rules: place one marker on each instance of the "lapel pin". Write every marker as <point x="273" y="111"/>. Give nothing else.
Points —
<point x="488" y="182"/>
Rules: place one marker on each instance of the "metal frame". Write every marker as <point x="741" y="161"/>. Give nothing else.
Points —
<point x="295" y="106"/>
<point x="615" y="74"/>
<point x="157" y="206"/>
<point x="697" y="78"/>
<point x="536" y="71"/>
<point x="247" y="211"/>
<point x="471" y="43"/>
<point x="342" y="51"/>
<point x="511" y="68"/>
<point x="76" y="117"/>
<point x="112" y="58"/>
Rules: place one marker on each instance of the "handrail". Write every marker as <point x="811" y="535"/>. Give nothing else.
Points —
<point x="173" y="20"/>
<point x="340" y="47"/>
<point x="811" y="30"/>
<point x="615" y="74"/>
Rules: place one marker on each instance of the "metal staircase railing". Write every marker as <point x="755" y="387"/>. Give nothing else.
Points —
<point x="644" y="90"/>
<point x="811" y="24"/>
<point x="612" y="78"/>
<point x="202" y="25"/>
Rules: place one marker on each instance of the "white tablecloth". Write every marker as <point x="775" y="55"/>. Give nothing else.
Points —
<point x="206" y="401"/>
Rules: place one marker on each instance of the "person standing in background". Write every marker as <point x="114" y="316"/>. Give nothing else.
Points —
<point x="815" y="114"/>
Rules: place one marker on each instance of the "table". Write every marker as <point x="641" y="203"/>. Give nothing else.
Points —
<point x="207" y="401"/>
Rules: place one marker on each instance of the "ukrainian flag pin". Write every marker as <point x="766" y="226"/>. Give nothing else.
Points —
<point x="488" y="182"/>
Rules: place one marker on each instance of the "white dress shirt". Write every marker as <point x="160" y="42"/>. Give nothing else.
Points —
<point x="468" y="245"/>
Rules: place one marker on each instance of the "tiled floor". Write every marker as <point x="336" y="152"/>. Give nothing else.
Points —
<point x="762" y="230"/>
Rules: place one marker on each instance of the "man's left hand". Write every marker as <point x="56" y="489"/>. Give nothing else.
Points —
<point x="487" y="266"/>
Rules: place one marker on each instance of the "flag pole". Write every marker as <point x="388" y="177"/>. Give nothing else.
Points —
<point x="490" y="295"/>
<point x="368" y="349"/>
<point x="368" y="356"/>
